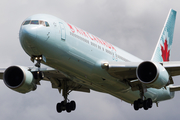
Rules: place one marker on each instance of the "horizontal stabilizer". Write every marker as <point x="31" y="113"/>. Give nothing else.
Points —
<point x="174" y="88"/>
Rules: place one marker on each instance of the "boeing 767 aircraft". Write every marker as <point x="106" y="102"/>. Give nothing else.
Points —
<point x="80" y="61"/>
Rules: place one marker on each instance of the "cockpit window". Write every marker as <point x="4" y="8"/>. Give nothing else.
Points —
<point x="36" y="22"/>
<point x="42" y="23"/>
<point x="26" y="22"/>
<point x="47" y="24"/>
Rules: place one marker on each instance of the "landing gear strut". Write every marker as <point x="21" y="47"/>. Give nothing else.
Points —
<point x="65" y="104"/>
<point x="38" y="75"/>
<point x="38" y="60"/>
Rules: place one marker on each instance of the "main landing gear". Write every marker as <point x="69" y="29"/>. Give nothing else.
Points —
<point x="68" y="106"/>
<point x="143" y="102"/>
<point x="146" y="104"/>
<point x="65" y="104"/>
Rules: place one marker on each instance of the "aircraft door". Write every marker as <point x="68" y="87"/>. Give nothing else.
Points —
<point x="63" y="31"/>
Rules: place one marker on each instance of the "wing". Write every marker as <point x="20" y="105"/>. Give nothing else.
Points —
<point x="126" y="71"/>
<point x="56" y="78"/>
<point x="122" y="70"/>
<point x="173" y="67"/>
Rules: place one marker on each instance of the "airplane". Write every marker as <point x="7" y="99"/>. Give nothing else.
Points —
<point x="79" y="61"/>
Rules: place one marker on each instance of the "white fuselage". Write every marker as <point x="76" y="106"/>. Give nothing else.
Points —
<point x="79" y="55"/>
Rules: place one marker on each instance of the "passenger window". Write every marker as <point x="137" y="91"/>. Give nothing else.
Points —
<point x="47" y="24"/>
<point x="26" y="22"/>
<point x="35" y="22"/>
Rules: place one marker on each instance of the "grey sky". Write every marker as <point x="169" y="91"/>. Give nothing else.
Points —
<point x="133" y="25"/>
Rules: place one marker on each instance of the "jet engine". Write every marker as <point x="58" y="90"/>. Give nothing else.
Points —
<point x="152" y="74"/>
<point x="19" y="79"/>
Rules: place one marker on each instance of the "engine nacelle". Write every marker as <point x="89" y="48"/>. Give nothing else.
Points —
<point x="152" y="74"/>
<point x="18" y="78"/>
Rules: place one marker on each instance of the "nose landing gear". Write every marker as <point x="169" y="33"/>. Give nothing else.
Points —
<point x="38" y="59"/>
<point x="38" y="75"/>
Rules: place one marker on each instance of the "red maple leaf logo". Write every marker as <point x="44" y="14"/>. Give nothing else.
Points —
<point x="165" y="52"/>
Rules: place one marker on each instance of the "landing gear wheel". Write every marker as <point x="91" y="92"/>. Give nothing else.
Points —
<point x="68" y="107"/>
<point x="59" y="107"/>
<point x="145" y="105"/>
<point x="63" y="103"/>
<point x="149" y="103"/>
<point x="136" y="105"/>
<point x="140" y="101"/>
<point x="73" y="105"/>
<point x="63" y="106"/>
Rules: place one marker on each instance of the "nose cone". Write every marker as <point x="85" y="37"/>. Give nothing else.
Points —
<point x="27" y="37"/>
<point x="28" y="33"/>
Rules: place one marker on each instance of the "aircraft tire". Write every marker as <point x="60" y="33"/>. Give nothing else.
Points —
<point x="68" y="107"/>
<point x="59" y="107"/>
<point x="73" y="105"/>
<point x="136" y="105"/>
<point x="149" y="103"/>
<point x="145" y="105"/>
<point x="140" y="101"/>
<point x="63" y="106"/>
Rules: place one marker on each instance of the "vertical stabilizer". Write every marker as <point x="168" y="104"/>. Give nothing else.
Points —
<point x="163" y="47"/>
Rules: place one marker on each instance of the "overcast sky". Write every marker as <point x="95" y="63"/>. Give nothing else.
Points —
<point x="133" y="25"/>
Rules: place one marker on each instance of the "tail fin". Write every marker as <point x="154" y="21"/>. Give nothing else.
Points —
<point x="163" y="47"/>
